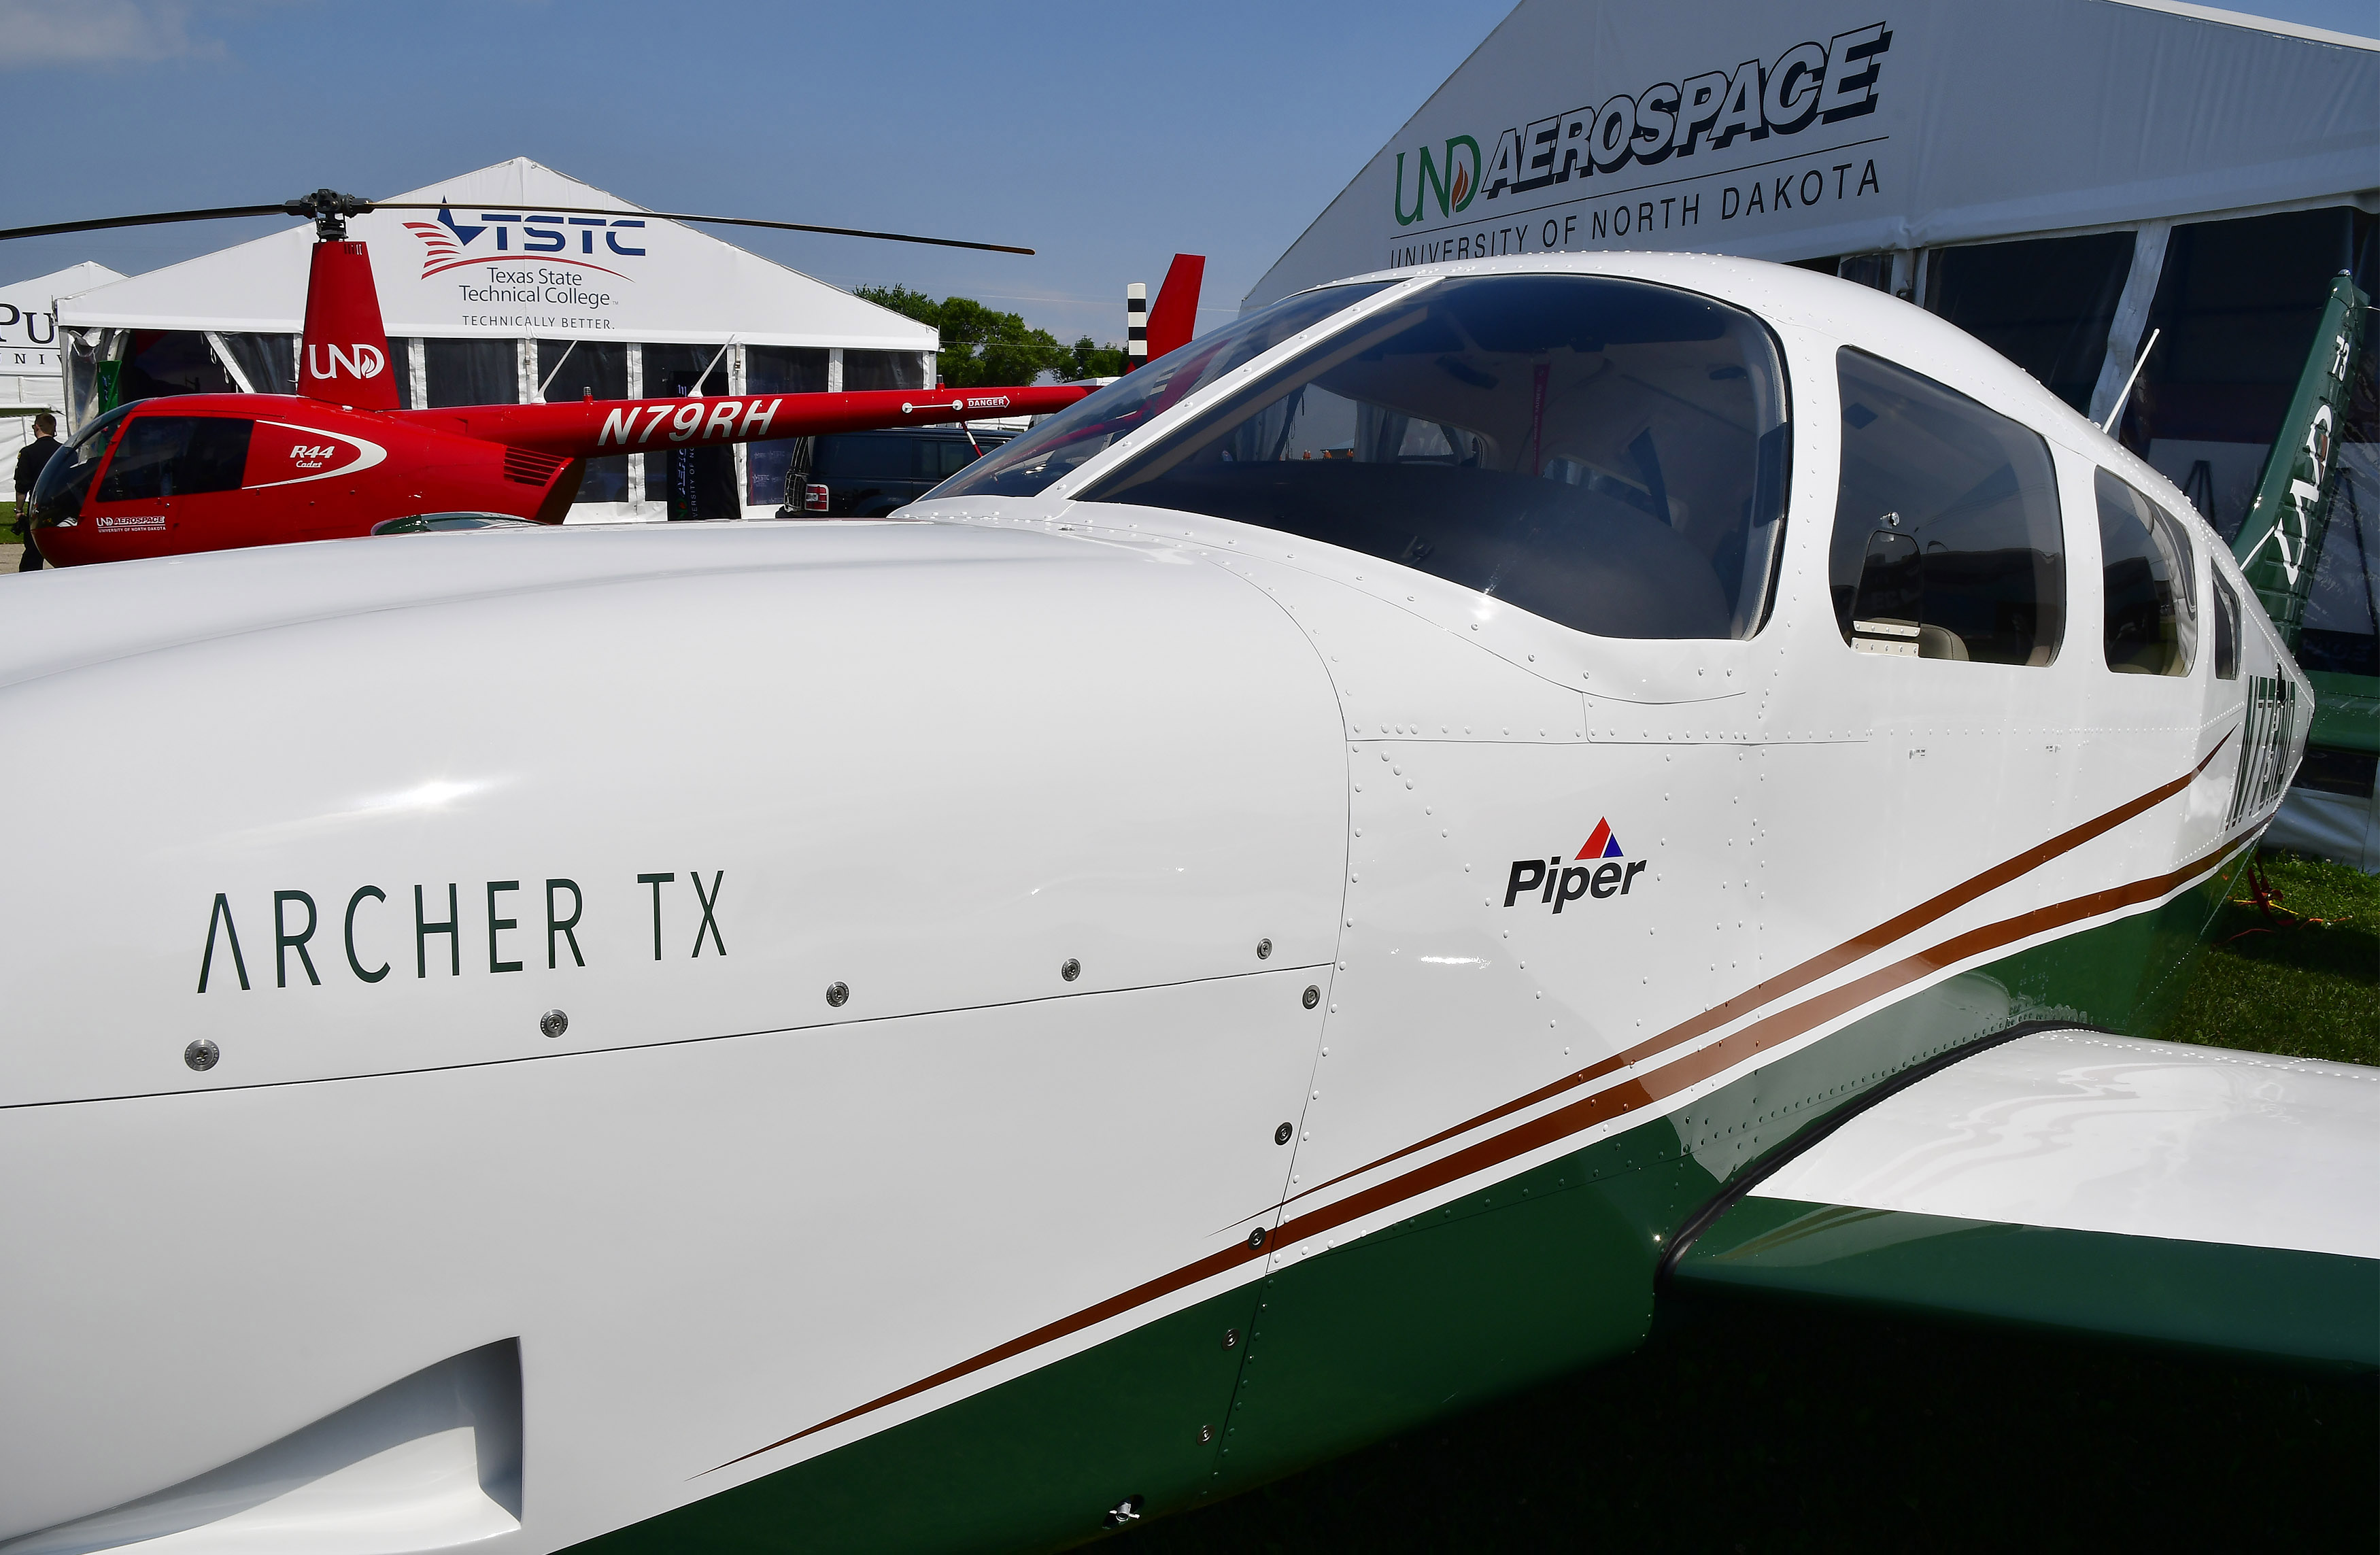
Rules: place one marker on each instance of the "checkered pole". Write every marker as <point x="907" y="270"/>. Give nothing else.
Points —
<point x="1136" y="324"/>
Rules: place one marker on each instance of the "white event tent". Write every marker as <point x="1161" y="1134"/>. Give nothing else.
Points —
<point x="499" y="298"/>
<point x="1811" y="129"/>
<point x="29" y="375"/>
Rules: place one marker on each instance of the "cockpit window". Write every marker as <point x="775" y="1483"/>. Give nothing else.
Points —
<point x="176" y="456"/>
<point x="1608" y="453"/>
<point x="1067" y="441"/>
<point x="91" y="442"/>
<point x="2150" y="592"/>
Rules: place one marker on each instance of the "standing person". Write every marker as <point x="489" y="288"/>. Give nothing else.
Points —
<point x="30" y="460"/>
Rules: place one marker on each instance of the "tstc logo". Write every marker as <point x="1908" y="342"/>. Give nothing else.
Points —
<point x="447" y="245"/>
<point x="1610" y="874"/>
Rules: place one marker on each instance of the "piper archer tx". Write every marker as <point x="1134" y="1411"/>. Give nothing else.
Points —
<point x="204" y="472"/>
<point x="1298" y="895"/>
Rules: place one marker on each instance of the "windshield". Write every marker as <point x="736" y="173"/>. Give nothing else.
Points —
<point x="58" y="494"/>
<point x="1607" y="453"/>
<point x="1067" y="441"/>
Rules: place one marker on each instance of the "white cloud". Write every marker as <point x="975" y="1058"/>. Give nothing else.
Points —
<point x="34" y="34"/>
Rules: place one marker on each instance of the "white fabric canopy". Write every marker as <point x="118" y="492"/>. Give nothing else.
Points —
<point x="501" y="267"/>
<point x="29" y="333"/>
<point x="38" y="295"/>
<point x="1827" y="131"/>
<point x="30" y="373"/>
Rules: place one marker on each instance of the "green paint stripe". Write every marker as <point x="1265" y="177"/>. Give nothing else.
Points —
<point x="1504" y="1287"/>
<point x="2268" y="1300"/>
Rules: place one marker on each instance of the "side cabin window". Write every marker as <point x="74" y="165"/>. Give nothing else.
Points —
<point x="1948" y="542"/>
<point x="1607" y="453"/>
<point x="2151" y="596"/>
<point x="2226" y="630"/>
<point x="176" y="456"/>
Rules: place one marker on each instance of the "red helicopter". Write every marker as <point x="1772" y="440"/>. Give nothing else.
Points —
<point x="181" y="473"/>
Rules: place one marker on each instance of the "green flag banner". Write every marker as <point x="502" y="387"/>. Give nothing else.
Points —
<point x="2282" y="537"/>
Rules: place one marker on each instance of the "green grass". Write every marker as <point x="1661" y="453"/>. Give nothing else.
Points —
<point x="2306" y="989"/>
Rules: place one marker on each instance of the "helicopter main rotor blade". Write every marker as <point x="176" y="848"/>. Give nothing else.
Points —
<point x="155" y="219"/>
<point x="733" y="221"/>
<point x="222" y="212"/>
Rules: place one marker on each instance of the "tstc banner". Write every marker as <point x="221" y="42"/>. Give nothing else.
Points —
<point x="508" y="252"/>
<point x="506" y="269"/>
<point x="1795" y="131"/>
<point x="1592" y="175"/>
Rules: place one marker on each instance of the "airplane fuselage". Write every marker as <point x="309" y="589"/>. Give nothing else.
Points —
<point x="1068" y="1006"/>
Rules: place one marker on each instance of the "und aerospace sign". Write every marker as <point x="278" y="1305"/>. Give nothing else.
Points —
<point x="1816" y="129"/>
<point x="1590" y="175"/>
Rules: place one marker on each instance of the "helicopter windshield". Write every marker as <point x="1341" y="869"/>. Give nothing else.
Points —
<point x="58" y="494"/>
<point x="1063" y="443"/>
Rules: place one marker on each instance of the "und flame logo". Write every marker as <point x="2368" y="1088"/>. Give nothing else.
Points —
<point x="357" y="361"/>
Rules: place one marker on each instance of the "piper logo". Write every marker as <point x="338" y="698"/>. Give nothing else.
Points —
<point x="1611" y="873"/>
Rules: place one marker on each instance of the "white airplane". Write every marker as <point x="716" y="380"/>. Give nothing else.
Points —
<point x="1294" y="897"/>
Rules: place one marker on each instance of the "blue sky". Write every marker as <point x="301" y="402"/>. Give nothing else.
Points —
<point x="1105" y="136"/>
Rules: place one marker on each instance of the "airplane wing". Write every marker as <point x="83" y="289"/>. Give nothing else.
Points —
<point x="2076" y="1180"/>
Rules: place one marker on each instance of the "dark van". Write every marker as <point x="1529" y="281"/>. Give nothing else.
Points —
<point x="866" y="475"/>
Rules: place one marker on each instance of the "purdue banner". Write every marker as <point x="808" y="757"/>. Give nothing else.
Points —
<point x="1818" y="128"/>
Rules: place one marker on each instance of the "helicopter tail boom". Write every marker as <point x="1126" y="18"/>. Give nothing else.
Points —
<point x="591" y="429"/>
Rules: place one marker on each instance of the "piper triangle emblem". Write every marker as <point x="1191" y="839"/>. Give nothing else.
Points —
<point x="1602" y="845"/>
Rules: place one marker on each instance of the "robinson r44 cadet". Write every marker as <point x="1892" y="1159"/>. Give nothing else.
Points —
<point x="206" y="473"/>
